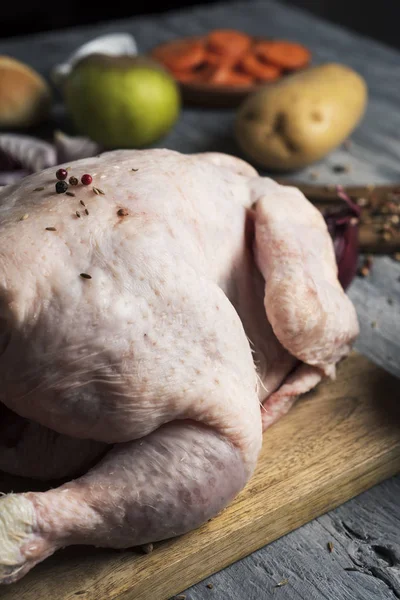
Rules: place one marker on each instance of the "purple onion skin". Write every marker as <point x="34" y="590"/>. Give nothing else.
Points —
<point x="343" y="227"/>
<point x="346" y="251"/>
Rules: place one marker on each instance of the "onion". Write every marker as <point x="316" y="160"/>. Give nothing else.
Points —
<point x="21" y="155"/>
<point x="342" y="224"/>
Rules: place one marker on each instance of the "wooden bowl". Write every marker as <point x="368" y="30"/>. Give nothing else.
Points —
<point x="209" y="95"/>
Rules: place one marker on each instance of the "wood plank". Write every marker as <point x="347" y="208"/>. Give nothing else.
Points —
<point x="379" y="228"/>
<point x="338" y="441"/>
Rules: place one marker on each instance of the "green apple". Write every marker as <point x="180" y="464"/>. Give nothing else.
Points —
<point x="121" y="101"/>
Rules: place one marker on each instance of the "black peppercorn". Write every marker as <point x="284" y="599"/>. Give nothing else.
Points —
<point x="61" y="187"/>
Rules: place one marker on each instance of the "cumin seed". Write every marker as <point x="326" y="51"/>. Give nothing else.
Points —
<point x="209" y="586"/>
<point x="282" y="583"/>
<point x="24" y="217"/>
<point x="98" y="191"/>
<point x="39" y="189"/>
<point x="82" y="202"/>
<point x="135" y="170"/>
<point x="85" y="276"/>
<point x="51" y="229"/>
<point x="70" y="193"/>
<point x="330" y="546"/>
<point x="78" y="214"/>
<point x="86" y="212"/>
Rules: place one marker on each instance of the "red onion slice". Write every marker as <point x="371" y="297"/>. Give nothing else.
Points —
<point x="343" y="226"/>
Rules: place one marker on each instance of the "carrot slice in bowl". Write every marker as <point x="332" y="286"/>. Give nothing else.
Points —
<point x="184" y="76"/>
<point x="283" y="54"/>
<point x="261" y="70"/>
<point x="180" y="55"/>
<point x="224" y="75"/>
<point x="228" y="42"/>
<point x="214" y="59"/>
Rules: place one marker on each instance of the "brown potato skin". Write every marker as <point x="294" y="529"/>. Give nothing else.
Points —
<point x="292" y="123"/>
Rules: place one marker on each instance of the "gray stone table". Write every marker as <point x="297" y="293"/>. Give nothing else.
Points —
<point x="365" y="564"/>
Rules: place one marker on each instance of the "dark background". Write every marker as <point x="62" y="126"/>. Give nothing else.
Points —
<point x="379" y="19"/>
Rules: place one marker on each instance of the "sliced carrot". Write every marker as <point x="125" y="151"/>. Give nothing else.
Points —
<point x="212" y="58"/>
<point x="180" y="55"/>
<point x="283" y="54"/>
<point x="228" y="42"/>
<point x="255" y="67"/>
<point x="225" y="75"/>
<point x="239" y="79"/>
<point x="184" y="76"/>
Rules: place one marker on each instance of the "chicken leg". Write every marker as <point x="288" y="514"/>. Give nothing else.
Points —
<point x="143" y="491"/>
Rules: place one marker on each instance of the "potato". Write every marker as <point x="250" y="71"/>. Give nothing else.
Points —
<point x="298" y="120"/>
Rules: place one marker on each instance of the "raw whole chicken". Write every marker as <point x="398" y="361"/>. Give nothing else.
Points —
<point x="152" y="325"/>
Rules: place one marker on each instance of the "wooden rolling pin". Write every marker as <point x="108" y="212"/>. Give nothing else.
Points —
<point x="379" y="231"/>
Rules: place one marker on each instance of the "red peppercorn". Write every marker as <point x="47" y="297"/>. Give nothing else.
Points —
<point x="61" y="174"/>
<point x="86" y="179"/>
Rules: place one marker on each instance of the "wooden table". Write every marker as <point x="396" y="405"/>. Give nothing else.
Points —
<point x="366" y="531"/>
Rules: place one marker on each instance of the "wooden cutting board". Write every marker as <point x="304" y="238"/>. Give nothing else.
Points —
<point x="338" y="441"/>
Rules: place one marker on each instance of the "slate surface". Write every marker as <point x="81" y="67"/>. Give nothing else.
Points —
<point x="365" y="563"/>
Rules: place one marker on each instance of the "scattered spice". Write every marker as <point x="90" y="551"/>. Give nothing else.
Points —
<point x="209" y="586"/>
<point x="135" y="170"/>
<point x="123" y="212"/>
<point x="374" y="324"/>
<point x="86" y="212"/>
<point x="365" y="268"/>
<point x="82" y="202"/>
<point x="98" y="191"/>
<point x="363" y="272"/>
<point x="24" y="217"/>
<point x="51" y="229"/>
<point x="73" y="181"/>
<point x="148" y="548"/>
<point x="282" y="583"/>
<point x="61" y="187"/>
<point x="341" y="168"/>
<point x="78" y="214"/>
<point x="85" y="276"/>
<point x="39" y="189"/>
<point x="86" y="179"/>
<point x="61" y="174"/>
<point x="330" y="546"/>
<point x="70" y="193"/>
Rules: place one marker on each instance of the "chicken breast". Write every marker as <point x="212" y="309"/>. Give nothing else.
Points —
<point x="152" y="325"/>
